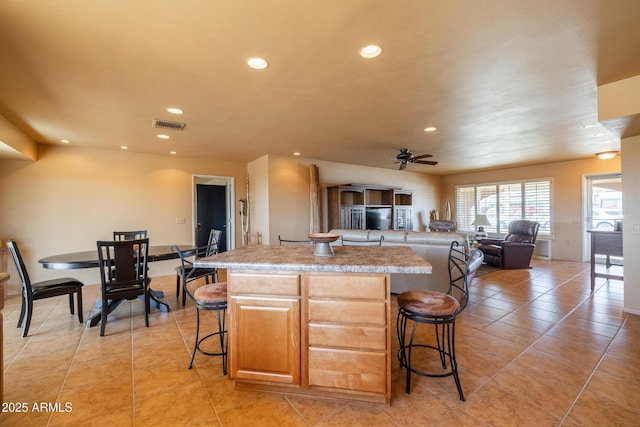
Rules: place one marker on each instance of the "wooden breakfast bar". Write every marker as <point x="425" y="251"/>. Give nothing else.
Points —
<point x="312" y="325"/>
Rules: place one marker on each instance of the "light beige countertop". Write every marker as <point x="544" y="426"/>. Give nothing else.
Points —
<point x="350" y="259"/>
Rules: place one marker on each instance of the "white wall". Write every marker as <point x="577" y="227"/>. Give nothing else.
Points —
<point x="631" y="206"/>
<point x="72" y="197"/>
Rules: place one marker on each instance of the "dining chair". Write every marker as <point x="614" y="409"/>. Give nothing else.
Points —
<point x="441" y="310"/>
<point x="210" y="297"/>
<point x="290" y="241"/>
<point x="129" y="235"/>
<point x="186" y="267"/>
<point x="40" y="290"/>
<point x="370" y="242"/>
<point x="123" y="275"/>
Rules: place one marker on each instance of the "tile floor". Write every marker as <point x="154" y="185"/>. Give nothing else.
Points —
<point x="534" y="347"/>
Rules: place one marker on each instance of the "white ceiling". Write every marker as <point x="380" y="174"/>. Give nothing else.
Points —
<point x="506" y="82"/>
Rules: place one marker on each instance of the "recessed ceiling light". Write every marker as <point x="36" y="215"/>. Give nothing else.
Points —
<point x="172" y="152"/>
<point x="174" y="110"/>
<point x="257" y="63"/>
<point x="296" y="154"/>
<point x="430" y="129"/>
<point x="370" y="51"/>
<point x="66" y="141"/>
<point x="124" y="147"/>
<point x="163" y="136"/>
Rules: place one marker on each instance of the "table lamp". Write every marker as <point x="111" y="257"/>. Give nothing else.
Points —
<point x="480" y="222"/>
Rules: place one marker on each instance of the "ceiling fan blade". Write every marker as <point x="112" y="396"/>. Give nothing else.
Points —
<point x="423" y="156"/>
<point x="403" y="165"/>
<point x="425" y="162"/>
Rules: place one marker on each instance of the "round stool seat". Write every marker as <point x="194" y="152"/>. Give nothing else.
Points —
<point x="429" y="303"/>
<point x="213" y="293"/>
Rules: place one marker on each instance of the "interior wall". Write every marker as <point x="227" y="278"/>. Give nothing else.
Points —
<point x="631" y="238"/>
<point x="567" y="196"/>
<point x="72" y="197"/>
<point x="287" y="206"/>
<point x="258" y="172"/>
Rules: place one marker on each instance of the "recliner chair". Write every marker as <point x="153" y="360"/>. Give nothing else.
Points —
<point x="516" y="249"/>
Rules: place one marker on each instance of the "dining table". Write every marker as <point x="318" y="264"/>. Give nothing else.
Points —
<point x="89" y="259"/>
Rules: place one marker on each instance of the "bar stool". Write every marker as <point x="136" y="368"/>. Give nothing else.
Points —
<point x="212" y="297"/>
<point x="209" y="297"/>
<point x="438" y="309"/>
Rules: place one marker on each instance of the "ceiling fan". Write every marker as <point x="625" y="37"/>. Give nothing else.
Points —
<point x="405" y="157"/>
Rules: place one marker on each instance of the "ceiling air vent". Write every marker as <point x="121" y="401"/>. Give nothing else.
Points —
<point x="165" y="124"/>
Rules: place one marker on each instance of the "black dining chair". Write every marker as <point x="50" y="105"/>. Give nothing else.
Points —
<point x="282" y="241"/>
<point x="129" y="235"/>
<point x="123" y="275"/>
<point x="40" y="290"/>
<point x="186" y="268"/>
<point x="353" y="242"/>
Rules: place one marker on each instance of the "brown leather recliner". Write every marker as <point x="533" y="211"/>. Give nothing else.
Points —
<point x="516" y="249"/>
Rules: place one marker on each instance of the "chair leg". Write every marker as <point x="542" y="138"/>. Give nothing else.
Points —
<point x="401" y="327"/>
<point x="195" y="345"/>
<point x="451" y="333"/>
<point x="80" y="316"/>
<point x="221" y="315"/>
<point x="23" y="309"/>
<point x="27" y="322"/>
<point x="71" y="307"/>
<point x="184" y="293"/>
<point x="440" y="342"/>
<point x="147" y="307"/>
<point x="177" y="286"/>
<point x="223" y="348"/>
<point x="105" y="313"/>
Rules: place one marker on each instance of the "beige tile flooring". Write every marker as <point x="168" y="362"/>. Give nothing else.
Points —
<point x="534" y="347"/>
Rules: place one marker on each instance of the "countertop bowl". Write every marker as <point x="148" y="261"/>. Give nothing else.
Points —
<point x="323" y="237"/>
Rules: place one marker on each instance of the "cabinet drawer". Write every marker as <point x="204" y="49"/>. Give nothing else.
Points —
<point x="264" y="284"/>
<point x="348" y="286"/>
<point x="348" y="370"/>
<point x="348" y="312"/>
<point x="352" y="337"/>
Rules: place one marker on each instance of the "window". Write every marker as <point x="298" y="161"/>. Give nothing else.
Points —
<point x="505" y="202"/>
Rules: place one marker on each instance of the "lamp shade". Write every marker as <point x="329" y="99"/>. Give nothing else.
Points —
<point x="481" y="221"/>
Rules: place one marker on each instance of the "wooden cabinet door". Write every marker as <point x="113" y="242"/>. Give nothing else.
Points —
<point x="268" y="347"/>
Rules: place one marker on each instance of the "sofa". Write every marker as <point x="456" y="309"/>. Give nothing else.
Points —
<point x="433" y="246"/>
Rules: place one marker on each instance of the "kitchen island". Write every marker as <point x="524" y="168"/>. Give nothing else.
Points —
<point x="312" y="325"/>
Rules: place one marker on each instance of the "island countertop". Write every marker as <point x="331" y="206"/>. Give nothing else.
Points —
<point x="348" y="259"/>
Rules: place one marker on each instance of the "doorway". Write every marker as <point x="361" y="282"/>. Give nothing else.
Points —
<point x="602" y="207"/>
<point x="213" y="209"/>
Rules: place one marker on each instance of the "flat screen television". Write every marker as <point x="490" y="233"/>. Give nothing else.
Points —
<point x="378" y="218"/>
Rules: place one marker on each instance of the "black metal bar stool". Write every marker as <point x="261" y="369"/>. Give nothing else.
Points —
<point x="212" y="297"/>
<point x="209" y="297"/>
<point x="438" y="309"/>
